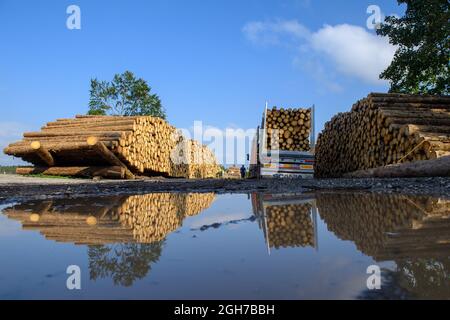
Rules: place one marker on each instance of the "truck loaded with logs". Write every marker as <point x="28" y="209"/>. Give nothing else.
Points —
<point x="113" y="147"/>
<point x="284" y="144"/>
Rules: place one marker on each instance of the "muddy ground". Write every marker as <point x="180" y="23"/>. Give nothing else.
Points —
<point x="17" y="188"/>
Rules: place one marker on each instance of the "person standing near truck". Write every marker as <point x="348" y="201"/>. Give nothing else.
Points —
<point x="243" y="171"/>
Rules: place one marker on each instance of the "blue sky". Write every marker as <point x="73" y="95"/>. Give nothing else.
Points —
<point x="214" y="61"/>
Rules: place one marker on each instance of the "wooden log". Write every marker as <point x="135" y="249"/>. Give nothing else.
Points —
<point x="90" y="121"/>
<point x="91" y="128"/>
<point x="429" y="168"/>
<point x="409" y="129"/>
<point x="107" y="155"/>
<point x="419" y="121"/>
<point x="43" y="153"/>
<point x="75" y="133"/>
<point x="411" y="105"/>
<point x="405" y="98"/>
<point x="112" y="172"/>
<point x="22" y="149"/>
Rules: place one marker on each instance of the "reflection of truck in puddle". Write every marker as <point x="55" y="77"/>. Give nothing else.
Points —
<point x="287" y="220"/>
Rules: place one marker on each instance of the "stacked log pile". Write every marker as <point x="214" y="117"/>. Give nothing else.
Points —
<point x="388" y="227"/>
<point x="289" y="226"/>
<point x="122" y="219"/>
<point x="190" y="159"/>
<point x="233" y="173"/>
<point x="384" y="129"/>
<point x="109" y="146"/>
<point x="288" y="129"/>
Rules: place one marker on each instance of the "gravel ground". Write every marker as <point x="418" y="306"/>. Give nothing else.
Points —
<point x="17" y="188"/>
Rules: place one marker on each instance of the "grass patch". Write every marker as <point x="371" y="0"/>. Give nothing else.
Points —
<point x="40" y="175"/>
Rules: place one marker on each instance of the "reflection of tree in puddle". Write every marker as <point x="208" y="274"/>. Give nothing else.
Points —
<point x="426" y="278"/>
<point x="414" y="278"/>
<point x="123" y="263"/>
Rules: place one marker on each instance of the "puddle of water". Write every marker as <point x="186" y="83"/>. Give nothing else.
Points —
<point x="207" y="246"/>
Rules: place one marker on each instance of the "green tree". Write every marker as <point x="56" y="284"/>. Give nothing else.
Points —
<point x="421" y="63"/>
<point x="124" y="95"/>
<point x="124" y="263"/>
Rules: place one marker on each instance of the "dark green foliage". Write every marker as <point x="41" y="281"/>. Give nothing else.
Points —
<point x="421" y="63"/>
<point x="124" y="95"/>
<point x="123" y="263"/>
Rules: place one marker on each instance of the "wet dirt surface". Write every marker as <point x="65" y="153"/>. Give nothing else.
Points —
<point x="18" y="188"/>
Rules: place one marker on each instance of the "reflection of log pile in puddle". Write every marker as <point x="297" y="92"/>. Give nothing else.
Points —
<point x="290" y="226"/>
<point x="389" y="227"/>
<point x="153" y="216"/>
<point x="119" y="219"/>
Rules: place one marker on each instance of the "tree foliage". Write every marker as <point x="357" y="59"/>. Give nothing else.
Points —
<point x="421" y="62"/>
<point x="124" y="95"/>
<point x="124" y="263"/>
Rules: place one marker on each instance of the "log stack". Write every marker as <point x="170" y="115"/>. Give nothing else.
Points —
<point x="190" y="159"/>
<point x="290" y="226"/>
<point x="388" y="227"/>
<point x="233" y="173"/>
<point x="88" y="145"/>
<point x="288" y="129"/>
<point x="384" y="129"/>
<point x="120" y="219"/>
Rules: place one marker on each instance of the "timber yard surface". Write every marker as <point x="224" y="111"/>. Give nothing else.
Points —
<point x="17" y="188"/>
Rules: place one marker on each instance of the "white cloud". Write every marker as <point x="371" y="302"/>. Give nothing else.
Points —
<point x="10" y="132"/>
<point x="230" y="145"/>
<point x="275" y="33"/>
<point x="352" y="50"/>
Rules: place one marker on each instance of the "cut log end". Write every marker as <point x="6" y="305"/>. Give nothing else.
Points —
<point x="35" y="145"/>
<point x="92" y="140"/>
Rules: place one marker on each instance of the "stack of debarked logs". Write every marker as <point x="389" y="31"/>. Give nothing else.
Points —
<point x="384" y="129"/>
<point x="288" y="129"/>
<point x="113" y="147"/>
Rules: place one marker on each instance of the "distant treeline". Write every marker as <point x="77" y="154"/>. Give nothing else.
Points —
<point x="7" y="169"/>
